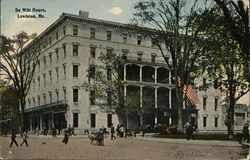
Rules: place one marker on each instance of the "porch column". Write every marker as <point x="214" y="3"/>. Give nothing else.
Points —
<point x="156" y="75"/>
<point x="170" y="98"/>
<point x="140" y="73"/>
<point x="141" y="116"/>
<point x="170" y="105"/>
<point x="125" y="90"/>
<point x="169" y="76"/>
<point x="156" y="103"/>
<point x="141" y="96"/>
<point x="124" y="72"/>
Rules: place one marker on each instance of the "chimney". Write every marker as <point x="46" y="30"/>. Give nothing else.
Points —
<point x="83" y="14"/>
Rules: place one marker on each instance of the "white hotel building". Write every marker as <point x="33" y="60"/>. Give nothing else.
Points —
<point x="57" y="96"/>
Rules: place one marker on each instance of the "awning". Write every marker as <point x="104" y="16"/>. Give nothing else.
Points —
<point x="51" y="106"/>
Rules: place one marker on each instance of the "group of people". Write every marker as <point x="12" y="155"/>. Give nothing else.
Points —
<point x="13" y="139"/>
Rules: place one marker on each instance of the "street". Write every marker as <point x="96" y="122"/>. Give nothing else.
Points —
<point x="122" y="148"/>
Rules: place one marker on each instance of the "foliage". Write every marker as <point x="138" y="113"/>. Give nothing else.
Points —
<point x="19" y="62"/>
<point x="109" y="86"/>
<point x="223" y="60"/>
<point x="171" y="26"/>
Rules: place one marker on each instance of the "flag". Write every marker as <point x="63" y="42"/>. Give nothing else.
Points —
<point x="188" y="90"/>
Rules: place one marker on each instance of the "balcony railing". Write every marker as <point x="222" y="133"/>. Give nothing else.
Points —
<point x="146" y="61"/>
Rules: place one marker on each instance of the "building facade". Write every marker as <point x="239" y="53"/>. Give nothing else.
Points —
<point x="73" y="43"/>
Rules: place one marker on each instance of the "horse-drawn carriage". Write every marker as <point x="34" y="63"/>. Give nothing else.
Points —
<point x="97" y="138"/>
<point x="157" y="129"/>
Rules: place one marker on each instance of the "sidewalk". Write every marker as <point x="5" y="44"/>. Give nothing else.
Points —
<point x="198" y="142"/>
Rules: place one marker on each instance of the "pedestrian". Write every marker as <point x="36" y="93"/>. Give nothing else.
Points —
<point x="71" y="130"/>
<point x="66" y="137"/>
<point x="25" y="137"/>
<point x="13" y="138"/>
<point x="189" y="130"/>
<point x="122" y="131"/>
<point x="37" y="131"/>
<point x="118" y="130"/>
<point x="112" y="132"/>
<point x="54" y="132"/>
<point x="245" y="133"/>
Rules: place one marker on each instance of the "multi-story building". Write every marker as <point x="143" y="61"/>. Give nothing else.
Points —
<point x="71" y="45"/>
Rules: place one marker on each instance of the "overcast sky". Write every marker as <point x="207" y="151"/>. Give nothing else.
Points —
<point x="112" y="10"/>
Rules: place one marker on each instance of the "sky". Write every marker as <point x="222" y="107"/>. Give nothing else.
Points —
<point x="111" y="10"/>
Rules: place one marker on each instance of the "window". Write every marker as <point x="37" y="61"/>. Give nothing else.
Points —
<point x="92" y="120"/>
<point x="34" y="101"/>
<point x="75" y="119"/>
<point x="38" y="63"/>
<point x="216" y="104"/>
<point x="139" y="57"/>
<point x="109" y="52"/>
<point x="125" y="54"/>
<point x="64" y="94"/>
<point x="50" y="41"/>
<point x="75" y="71"/>
<point x="44" y="80"/>
<point x="75" y="30"/>
<point x="50" y="77"/>
<point x="109" y="73"/>
<point x="50" y="58"/>
<point x="29" y="102"/>
<point x="44" y="98"/>
<point x="109" y="98"/>
<point x="153" y="56"/>
<point x="92" y="97"/>
<point x="109" y="120"/>
<point x="109" y="34"/>
<point x="39" y="101"/>
<point x="153" y="42"/>
<point x="64" y="71"/>
<point x="64" y="30"/>
<point x="215" y="121"/>
<point x="44" y="62"/>
<point x="57" y="75"/>
<point x="215" y="84"/>
<point x="204" y="103"/>
<point x="34" y="85"/>
<point x="92" y="71"/>
<point x="92" y="32"/>
<point x="139" y="38"/>
<point x="92" y="52"/>
<point x="64" y="50"/>
<point x="38" y="78"/>
<point x="125" y="37"/>
<point x="75" y="50"/>
<point x="56" y="36"/>
<point x="57" y="95"/>
<point x="50" y="96"/>
<point x="75" y="96"/>
<point x="204" y="121"/>
<point x="204" y="81"/>
<point x="57" y="56"/>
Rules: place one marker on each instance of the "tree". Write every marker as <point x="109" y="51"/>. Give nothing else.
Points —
<point x="223" y="57"/>
<point x="171" y="21"/>
<point x="236" y="16"/>
<point x="9" y="107"/>
<point x="106" y="82"/>
<point x="19" y="63"/>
